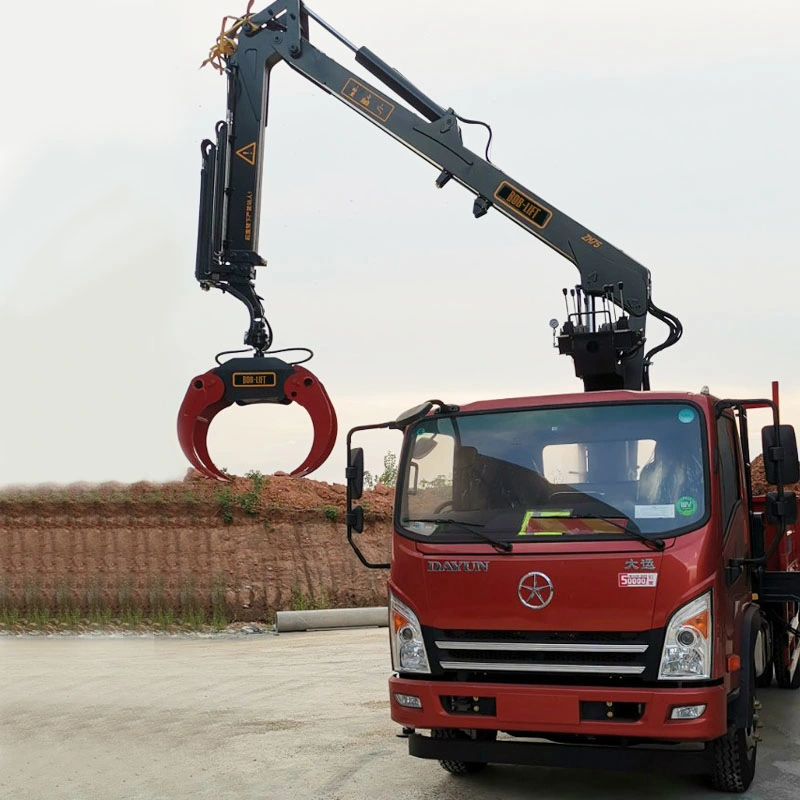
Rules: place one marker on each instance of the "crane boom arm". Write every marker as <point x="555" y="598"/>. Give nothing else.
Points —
<point x="232" y="170"/>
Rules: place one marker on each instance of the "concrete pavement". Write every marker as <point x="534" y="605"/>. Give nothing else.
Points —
<point x="292" y="717"/>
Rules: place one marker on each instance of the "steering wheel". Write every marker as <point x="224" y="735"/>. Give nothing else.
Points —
<point x="442" y="506"/>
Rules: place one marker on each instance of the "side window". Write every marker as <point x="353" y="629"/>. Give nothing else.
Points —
<point x="728" y="466"/>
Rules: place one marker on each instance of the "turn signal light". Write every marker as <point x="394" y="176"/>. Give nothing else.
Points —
<point x="700" y="622"/>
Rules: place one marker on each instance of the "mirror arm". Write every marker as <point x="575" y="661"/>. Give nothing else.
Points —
<point x="367" y="564"/>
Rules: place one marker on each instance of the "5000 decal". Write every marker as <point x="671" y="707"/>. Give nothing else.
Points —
<point x="633" y="579"/>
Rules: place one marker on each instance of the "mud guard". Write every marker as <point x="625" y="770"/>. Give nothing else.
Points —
<point x="740" y="707"/>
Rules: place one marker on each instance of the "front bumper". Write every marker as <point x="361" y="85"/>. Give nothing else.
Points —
<point x="562" y="710"/>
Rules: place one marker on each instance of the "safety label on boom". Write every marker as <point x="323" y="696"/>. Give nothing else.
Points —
<point x="367" y="99"/>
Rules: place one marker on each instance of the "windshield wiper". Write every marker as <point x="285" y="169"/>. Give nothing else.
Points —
<point x="629" y="527"/>
<point x="503" y="547"/>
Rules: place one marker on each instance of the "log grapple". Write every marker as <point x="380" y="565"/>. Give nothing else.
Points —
<point x="246" y="381"/>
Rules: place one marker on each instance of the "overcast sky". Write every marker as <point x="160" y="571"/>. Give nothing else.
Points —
<point x="671" y="130"/>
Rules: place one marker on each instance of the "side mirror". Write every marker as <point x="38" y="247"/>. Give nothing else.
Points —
<point x="413" y="414"/>
<point x="783" y="456"/>
<point x="355" y="472"/>
<point x="783" y="510"/>
<point x="355" y="519"/>
<point x="423" y="447"/>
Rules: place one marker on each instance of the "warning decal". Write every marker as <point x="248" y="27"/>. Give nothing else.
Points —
<point x="248" y="153"/>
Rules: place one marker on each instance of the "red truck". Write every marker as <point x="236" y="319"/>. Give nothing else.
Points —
<point x="593" y="571"/>
<point x="575" y="579"/>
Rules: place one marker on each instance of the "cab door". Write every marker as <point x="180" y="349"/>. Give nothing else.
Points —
<point x="733" y="515"/>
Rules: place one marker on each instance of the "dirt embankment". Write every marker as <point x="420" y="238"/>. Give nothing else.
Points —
<point x="243" y="549"/>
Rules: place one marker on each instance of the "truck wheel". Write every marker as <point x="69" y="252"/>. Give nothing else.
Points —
<point x="734" y="761"/>
<point x="734" y="755"/>
<point x="764" y="680"/>
<point x="782" y="675"/>
<point x="461" y="767"/>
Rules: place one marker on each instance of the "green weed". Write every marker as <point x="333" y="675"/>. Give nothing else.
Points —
<point x="225" y="499"/>
<point x="220" y="614"/>
<point x="299" y="600"/>
<point x="131" y="616"/>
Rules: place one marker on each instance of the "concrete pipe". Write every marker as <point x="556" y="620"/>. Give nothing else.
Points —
<point x="376" y="616"/>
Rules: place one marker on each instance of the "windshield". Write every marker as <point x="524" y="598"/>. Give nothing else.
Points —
<point x="567" y="473"/>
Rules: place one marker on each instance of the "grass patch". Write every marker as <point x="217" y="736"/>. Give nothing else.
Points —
<point x="250" y="501"/>
<point x="98" y="606"/>
<point x="225" y="500"/>
<point x="221" y="615"/>
<point x="300" y="601"/>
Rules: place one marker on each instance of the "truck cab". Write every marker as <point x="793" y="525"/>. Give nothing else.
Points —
<point x="583" y="569"/>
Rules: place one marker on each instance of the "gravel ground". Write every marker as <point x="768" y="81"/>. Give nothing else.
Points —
<point x="294" y="717"/>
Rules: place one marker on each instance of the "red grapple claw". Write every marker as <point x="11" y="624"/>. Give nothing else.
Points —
<point x="246" y="381"/>
<point x="204" y="399"/>
<point x="305" y="389"/>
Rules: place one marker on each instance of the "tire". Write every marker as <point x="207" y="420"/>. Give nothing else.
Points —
<point x="734" y="761"/>
<point x="782" y="672"/>
<point x="734" y="755"/>
<point x="461" y="768"/>
<point x="782" y="675"/>
<point x="764" y="680"/>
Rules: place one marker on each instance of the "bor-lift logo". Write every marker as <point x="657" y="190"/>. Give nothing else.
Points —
<point x="254" y="380"/>
<point x="522" y="205"/>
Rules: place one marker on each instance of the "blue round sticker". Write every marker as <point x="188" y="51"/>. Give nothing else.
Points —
<point x="686" y="415"/>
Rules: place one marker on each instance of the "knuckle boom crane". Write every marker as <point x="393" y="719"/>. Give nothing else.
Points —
<point x="596" y="571"/>
<point x="604" y="332"/>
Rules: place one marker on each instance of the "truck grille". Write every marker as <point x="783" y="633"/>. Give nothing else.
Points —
<point x="542" y="652"/>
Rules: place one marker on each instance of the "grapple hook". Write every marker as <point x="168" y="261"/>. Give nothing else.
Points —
<point x="247" y="381"/>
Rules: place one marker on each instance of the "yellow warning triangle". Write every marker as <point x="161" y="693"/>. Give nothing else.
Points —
<point x="248" y="153"/>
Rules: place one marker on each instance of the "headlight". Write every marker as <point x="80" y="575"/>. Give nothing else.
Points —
<point x="405" y="635"/>
<point x="687" y="645"/>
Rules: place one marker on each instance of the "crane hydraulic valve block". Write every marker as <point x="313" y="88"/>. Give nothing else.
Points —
<point x="245" y="381"/>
